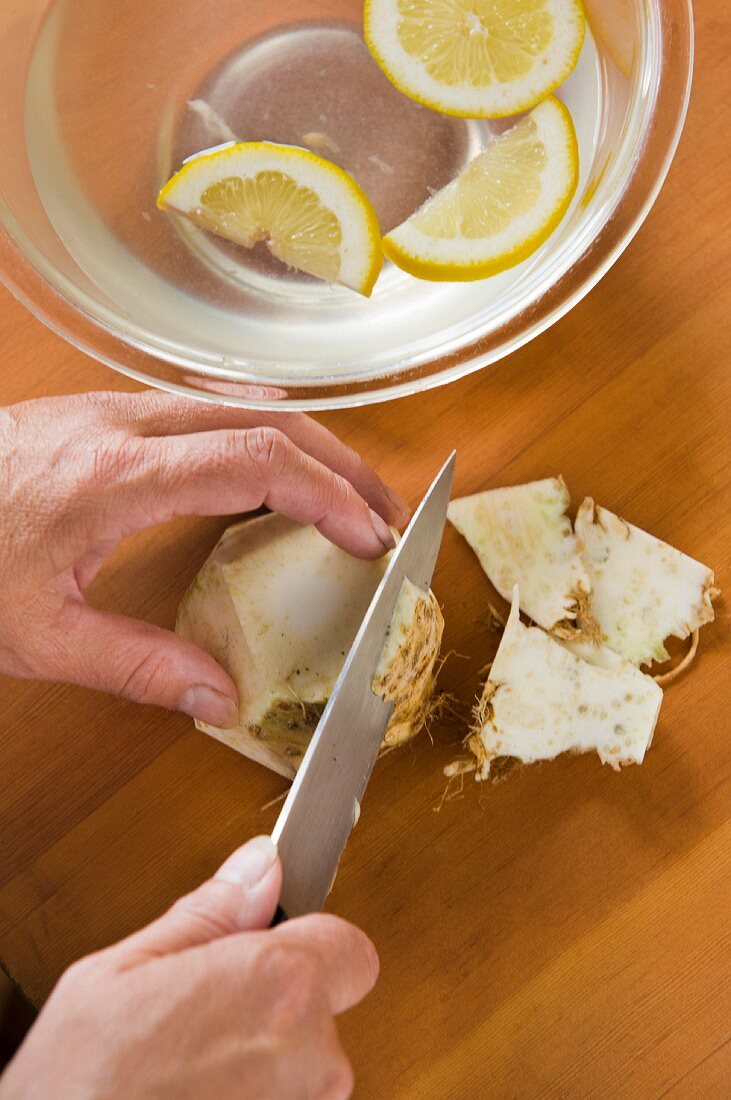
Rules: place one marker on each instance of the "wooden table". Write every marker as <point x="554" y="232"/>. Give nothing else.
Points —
<point x="564" y="933"/>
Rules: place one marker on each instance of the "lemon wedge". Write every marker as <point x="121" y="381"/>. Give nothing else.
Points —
<point x="312" y="215"/>
<point x="500" y="209"/>
<point x="475" y="58"/>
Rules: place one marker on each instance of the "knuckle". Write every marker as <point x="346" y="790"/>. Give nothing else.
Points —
<point x="266" y="446"/>
<point x="353" y="459"/>
<point x="287" y="422"/>
<point x="116" y="458"/>
<point x="95" y="403"/>
<point x="304" y="975"/>
<point x="347" y="940"/>
<point x="79" y="974"/>
<point x="203" y="908"/>
<point x="133" y="408"/>
<point x="147" y="676"/>
<point x="298" y="971"/>
<point x="346" y="493"/>
<point x="339" y="494"/>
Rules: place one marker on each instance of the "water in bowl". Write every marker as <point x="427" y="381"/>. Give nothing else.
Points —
<point x="116" y="101"/>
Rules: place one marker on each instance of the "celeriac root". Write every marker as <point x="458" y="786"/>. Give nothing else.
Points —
<point x="459" y="767"/>
<point x="273" y="801"/>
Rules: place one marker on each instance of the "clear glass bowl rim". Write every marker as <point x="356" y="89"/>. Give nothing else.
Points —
<point x="579" y="269"/>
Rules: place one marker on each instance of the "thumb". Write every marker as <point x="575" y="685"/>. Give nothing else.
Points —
<point x="145" y="663"/>
<point x="241" y="897"/>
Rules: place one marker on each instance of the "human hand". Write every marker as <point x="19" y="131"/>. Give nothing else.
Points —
<point x="203" y="1003"/>
<point x="78" y="474"/>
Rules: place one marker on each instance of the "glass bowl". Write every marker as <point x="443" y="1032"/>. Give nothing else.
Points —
<point x="101" y="102"/>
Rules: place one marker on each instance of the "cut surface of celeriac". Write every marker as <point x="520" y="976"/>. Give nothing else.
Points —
<point x="541" y="700"/>
<point x="406" y="672"/>
<point x="643" y="590"/>
<point x="522" y="535"/>
<point x="279" y="606"/>
<point x="599" y="655"/>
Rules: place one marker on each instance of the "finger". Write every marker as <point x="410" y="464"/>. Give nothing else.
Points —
<point x="145" y="663"/>
<point x="214" y="473"/>
<point x="158" y="414"/>
<point x="242" y="896"/>
<point x="347" y="956"/>
<point x="315" y="440"/>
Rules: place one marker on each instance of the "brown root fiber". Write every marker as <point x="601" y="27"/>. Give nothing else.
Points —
<point x="482" y="710"/>
<point x="492" y="620"/>
<point x="665" y="678"/>
<point x="581" y="624"/>
<point x="463" y="766"/>
<point x="477" y="748"/>
<point x="291" y="720"/>
<point x="409" y="681"/>
<point x="454" y="788"/>
<point x="494" y="768"/>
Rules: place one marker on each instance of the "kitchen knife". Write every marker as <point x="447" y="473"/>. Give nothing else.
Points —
<point x="323" y="803"/>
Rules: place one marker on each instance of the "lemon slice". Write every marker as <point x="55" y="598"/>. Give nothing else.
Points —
<point x="504" y="204"/>
<point x="475" y="58"/>
<point x="312" y="215"/>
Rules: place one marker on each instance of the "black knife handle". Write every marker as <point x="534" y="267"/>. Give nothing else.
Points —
<point x="279" y="917"/>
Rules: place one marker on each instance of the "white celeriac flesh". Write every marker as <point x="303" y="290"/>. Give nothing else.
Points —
<point x="522" y="536"/>
<point x="642" y="590"/>
<point x="541" y="700"/>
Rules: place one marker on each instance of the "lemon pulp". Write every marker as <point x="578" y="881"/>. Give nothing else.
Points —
<point x="299" y="229"/>
<point x="476" y="58"/>
<point x="478" y="42"/>
<point x="497" y="187"/>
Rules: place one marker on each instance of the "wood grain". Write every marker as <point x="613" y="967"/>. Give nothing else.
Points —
<point x="563" y="934"/>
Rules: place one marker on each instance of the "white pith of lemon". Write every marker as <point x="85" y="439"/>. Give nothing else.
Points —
<point x="500" y="209"/>
<point x="312" y="214"/>
<point x="475" y="58"/>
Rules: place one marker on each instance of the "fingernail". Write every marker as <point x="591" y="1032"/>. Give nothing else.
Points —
<point x="249" y="864"/>
<point x="383" y="531"/>
<point x="399" y="504"/>
<point x="209" y="706"/>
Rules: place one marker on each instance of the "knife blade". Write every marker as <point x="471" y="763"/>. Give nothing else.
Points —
<point x="324" y="800"/>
